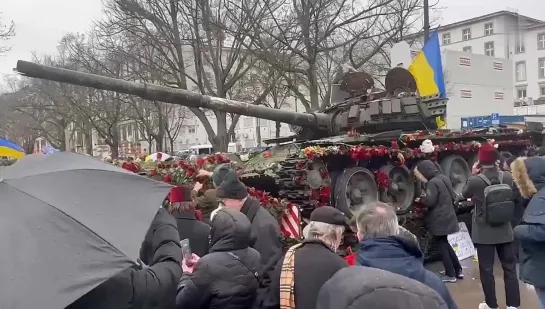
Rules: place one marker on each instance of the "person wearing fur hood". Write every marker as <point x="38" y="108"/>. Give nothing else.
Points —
<point x="529" y="175"/>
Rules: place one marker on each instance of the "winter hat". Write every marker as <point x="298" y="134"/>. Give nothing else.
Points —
<point x="219" y="173"/>
<point x="487" y="154"/>
<point x="380" y="289"/>
<point x="427" y="147"/>
<point x="231" y="187"/>
<point x="180" y="194"/>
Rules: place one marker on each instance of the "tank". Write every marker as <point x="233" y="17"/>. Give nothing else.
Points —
<point x="361" y="149"/>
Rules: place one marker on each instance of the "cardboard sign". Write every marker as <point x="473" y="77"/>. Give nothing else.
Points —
<point x="498" y="66"/>
<point x="465" y="62"/>
<point x="461" y="243"/>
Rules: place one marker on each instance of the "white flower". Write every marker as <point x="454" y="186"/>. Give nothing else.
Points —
<point x="427" y="146"/>
<point x="245" y="157"/>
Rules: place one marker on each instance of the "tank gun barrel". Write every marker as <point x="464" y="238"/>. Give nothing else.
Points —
<point x="177" y="96"/>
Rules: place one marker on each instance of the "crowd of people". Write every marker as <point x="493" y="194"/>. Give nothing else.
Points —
<point x="237" y="261"/>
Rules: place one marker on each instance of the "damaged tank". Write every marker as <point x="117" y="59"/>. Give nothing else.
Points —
<point x="359" y="150"/>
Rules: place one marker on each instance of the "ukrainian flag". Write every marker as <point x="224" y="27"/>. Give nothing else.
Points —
<point x="9" y="149"/>
<point x="427" y="69"/>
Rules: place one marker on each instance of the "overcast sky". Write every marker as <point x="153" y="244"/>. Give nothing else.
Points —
<point x="40" y="24"/>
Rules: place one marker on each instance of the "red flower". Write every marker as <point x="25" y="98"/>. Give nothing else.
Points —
<point x="153" y="172"/>
<point x="394" y="144"/>
<point x="351" y="259"/>
<point x="182" y="164"/>
<point x="159" y="156"/>
<point x="200" y="162"/>
<point x="211" y="159"/>
<point x="325" y="194"/>
<point x="167" y="178"/>
<point x="267" y="154"/>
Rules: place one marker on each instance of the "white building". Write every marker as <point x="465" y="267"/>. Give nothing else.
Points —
<point x="505" y="35"/>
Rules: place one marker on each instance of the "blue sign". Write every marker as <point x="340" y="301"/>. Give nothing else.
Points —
<point x="495" y="119"/>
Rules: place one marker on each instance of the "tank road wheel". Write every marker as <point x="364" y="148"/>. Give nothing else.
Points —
<point x="354" y="187"/>
<point x="457" y="170"/>
<point x="401" y="188"/>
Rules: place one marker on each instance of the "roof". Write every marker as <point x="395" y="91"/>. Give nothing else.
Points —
<point x="483" y="18"/>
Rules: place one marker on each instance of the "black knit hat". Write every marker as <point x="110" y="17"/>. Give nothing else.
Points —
<point x="232" y="187"/>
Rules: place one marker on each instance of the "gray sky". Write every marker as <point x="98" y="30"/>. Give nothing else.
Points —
<point x="40" y="24"/>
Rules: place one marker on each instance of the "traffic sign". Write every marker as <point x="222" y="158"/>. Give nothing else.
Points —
<point x="495" y="119"/>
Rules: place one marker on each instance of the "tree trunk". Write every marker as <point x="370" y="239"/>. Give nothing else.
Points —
<point x="278" y="126"/>
<point x="88" y="140"/>
<point x="258" y="133"/>
<point x="114" y="148"/>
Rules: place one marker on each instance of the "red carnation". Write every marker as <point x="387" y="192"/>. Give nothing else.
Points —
<point x="167" y="178"/>
<point x="153" y="172"/>
<point x="267" y="154"/>
<point x="211" y="159"/>
<point x="200" y="162"/>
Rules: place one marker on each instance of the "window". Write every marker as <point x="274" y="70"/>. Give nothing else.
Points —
<point x="542" y="91"/>
<point x="191" y="129"/>
<point x="541" y="41"/>
<point x="519" y="47"/>
<point x="467" y="49"/>
<point x="489" y="29"/>
<point x="446" y="38"/>
<point x="466" y="34"/>
<point x="489" y="49"/>
<point x="541" y="67"/>
<point x="521" y="93"/>
<point x="520" y="71"/>
<point x="248" y="122"/>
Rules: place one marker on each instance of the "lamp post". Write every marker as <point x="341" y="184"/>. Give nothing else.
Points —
<point x="426" y="21"/>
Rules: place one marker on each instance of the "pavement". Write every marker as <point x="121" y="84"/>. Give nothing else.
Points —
<point x="468" y="292"/>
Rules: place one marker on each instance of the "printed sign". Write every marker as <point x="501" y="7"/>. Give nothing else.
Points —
<point x="466" y="62"/>
<point x="466" y="94"/>
<point x="461" y="243"/>
<point x="498" y="66"/>
<point x="498" y="95"/>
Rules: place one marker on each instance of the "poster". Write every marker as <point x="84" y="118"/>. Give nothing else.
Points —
<point x="461" y="243"/>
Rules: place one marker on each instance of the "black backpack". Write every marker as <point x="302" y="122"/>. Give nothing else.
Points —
<point x="499" y="207"/>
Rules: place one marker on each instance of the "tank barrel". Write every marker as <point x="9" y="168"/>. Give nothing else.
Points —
<point x="171" y="95"/>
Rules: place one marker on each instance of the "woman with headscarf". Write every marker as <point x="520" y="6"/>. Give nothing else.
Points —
<point x="440" y="218"/>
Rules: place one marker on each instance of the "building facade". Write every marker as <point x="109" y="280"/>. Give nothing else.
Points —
<point x="506" y="35"/>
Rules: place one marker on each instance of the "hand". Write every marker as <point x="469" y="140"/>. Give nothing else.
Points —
<point x="417" y="200"/>
<point x="476" y="169"/>
<point x="197" y="186"/>
<point x="188" y="266"/>
<point x="204" y="173"/>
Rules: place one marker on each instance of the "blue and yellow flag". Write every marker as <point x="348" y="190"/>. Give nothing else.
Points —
<point x="10" y="149"/>
<point x="427" y="69"/>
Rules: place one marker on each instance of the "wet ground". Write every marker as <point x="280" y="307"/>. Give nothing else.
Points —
<point x="468" y="293"/>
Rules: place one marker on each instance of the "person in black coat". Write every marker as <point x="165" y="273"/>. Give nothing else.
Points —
<point x="265" y="228"/>
<point x="227" y="277"/>
<point x="350" y="288"/>
<point x="529" y="175"/>
<point x="440" y="218"/>
<point x="183" y="209"/>
<point x="151" y="287"/>
<point x="316" y="260"/>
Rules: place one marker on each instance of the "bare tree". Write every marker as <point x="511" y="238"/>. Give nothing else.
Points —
<point x="7" y="31"/>
<point x="190" y="51"/>
<point x="176" y="116"/>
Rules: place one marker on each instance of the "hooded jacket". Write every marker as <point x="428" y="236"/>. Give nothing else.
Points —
<point x="227" y="277"/>
<point x="152" y="287"/>
<point x="402" y="256"/>
<point x="365" y="288"/>
<point x="529" y="175"/>
<point x="481" y="232"/>
<point x="441" y="217"/>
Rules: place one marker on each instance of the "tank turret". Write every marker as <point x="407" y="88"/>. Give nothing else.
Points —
<point x="358" y="106"/>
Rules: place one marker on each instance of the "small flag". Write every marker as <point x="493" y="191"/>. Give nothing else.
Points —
<point x="10" y="149"/>
<point x="290" y="224"/>
<point x="427" y="69"/>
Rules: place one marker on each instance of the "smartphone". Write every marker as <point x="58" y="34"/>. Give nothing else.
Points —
<point x="186" y="250"/>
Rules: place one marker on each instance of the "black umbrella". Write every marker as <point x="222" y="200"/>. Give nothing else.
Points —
<point x="68" y="222"/>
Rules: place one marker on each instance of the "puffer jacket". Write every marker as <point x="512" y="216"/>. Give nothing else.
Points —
<point x="227" y="277"/>
<point x="441" y="217"/>
<point x="402" y="256"/>
<point x="529" y="175"/>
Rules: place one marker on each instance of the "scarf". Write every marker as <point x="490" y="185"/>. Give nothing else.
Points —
<point x="287" y="279"/>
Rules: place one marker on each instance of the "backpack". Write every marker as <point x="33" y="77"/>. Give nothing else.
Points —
<point x="499" y="207"/>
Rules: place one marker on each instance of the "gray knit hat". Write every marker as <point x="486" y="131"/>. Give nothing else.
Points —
<point x="219" y="173"/>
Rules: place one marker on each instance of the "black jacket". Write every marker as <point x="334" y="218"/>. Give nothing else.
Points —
<point x="227" y="277"/>
<point x="196" y="231"/>
<point x="267" y="240"/>
<point x="315" y="263"/>
<point x="482" y="232"/>
<point x="441" y="217"/>
<point x="365" y="288"/>
<point x="531" y="231"/>
<point x="152" y="287"/>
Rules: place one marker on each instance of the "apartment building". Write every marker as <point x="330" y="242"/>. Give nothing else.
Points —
<point x="507" y="35"/>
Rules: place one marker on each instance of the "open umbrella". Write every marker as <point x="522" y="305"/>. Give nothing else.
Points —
<point x="158" y="156"/>
<point x="69" y="222"/>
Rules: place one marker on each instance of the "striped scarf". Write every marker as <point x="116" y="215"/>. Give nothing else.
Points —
<point x="287" y="279"/>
